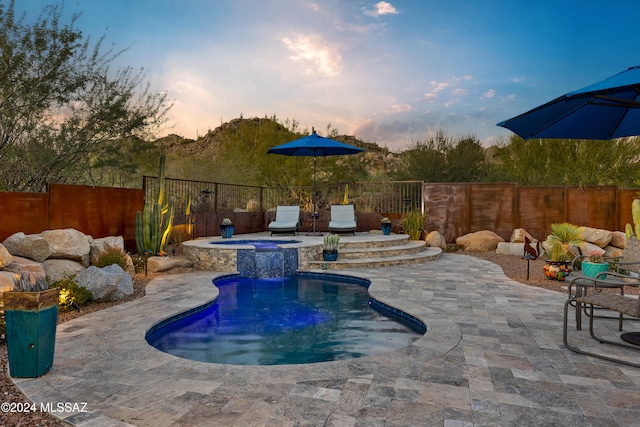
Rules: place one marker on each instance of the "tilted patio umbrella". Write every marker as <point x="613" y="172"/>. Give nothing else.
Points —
<point x="313" y="146"/>
<point x="605" y="110"/>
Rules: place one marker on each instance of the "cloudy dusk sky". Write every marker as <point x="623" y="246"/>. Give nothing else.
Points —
<point x="390" y="72"/>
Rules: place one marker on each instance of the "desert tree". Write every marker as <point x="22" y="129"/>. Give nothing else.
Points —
<point x="61" y="103"/>
<point x="569" y="161"/>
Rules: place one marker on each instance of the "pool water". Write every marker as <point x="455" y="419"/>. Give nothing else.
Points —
<point x="290" y="320"/>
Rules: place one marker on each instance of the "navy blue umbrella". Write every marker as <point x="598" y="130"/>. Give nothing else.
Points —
<point x="605" y="110"/>
<point x="313" y="146"/>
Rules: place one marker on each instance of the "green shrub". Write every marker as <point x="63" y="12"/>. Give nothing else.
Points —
<point x="70" y="291"/>
<point x="111" y="255"/>
<point x="413" y="224"/>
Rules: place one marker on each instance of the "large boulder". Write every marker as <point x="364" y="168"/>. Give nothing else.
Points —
<point x="5" y="257"/>
<point x="26" y="265"/>
<point x="435" y="240"/>
<point x="519" y="234"/>
<point x="156" y="264"/>
<point x="7" y="281"/>
<point x="480" y="241"/>
<point x="110" y="283"/>
<point x="596" y="236"/>
<point x="31" y="246"/>
<point x="510" y="248"/>
<point x="613" y="251"/>
<point x="98" y="246"/>
<point x="57" y="269"/>
<point x="68" y="243"/>
<point x="618" y="239"/>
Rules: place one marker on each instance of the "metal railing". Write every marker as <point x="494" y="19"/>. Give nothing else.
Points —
<point x="393" y="197"/>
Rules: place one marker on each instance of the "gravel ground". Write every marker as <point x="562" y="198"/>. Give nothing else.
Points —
<point x="513" y="266"/>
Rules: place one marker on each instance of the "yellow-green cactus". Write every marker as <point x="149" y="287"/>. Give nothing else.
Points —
<point x="633" y="232"/>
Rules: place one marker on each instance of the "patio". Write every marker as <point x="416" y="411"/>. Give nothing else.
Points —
<point x="492" y="355"/>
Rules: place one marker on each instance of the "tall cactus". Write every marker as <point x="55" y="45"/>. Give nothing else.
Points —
<point x="189" y="217"/>
<point x="154" y="223"/>
<point x="634" y="231"/>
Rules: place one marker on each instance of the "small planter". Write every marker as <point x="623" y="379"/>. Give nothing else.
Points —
<point x="592" y="269"/>
<point x="226" y="231"/>
<point x="386" y="228"/>
<point x="557" y="270"/>
<point x="31" y="319"/>
<point x="328" y="255"/>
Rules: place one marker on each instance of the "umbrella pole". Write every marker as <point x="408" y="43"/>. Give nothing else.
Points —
<point x="315" y="213"/>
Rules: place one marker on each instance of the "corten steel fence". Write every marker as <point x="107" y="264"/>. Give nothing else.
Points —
<point x="96" y="211"/>
<point x="454" y="209"/>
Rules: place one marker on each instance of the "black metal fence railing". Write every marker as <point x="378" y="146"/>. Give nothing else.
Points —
<point x="396" y="197"/>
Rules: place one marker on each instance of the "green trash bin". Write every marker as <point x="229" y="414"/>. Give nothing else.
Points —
<point x="31" y="319"/>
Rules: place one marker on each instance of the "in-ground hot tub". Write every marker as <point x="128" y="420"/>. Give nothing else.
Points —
<point x="260" y="257"/>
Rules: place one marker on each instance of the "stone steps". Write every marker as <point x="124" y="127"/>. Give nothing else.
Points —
<point x="379" y="241"/>
<point x="408" y="247"/>
<point x="381" y="260"/>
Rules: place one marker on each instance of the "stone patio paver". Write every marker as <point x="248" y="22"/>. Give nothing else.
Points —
<point x="492" y="356"/>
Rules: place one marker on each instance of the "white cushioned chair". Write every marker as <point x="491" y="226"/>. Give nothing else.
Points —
<point x="343" y="219"/>
<point x="287" y="220"/>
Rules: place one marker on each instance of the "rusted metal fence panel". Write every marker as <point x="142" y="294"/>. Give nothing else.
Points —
<point x="493" y="207"/>
<point x="26" y="212"/>
<point x="96" y="211"/>
<point x="625" y="198"/>
<point x="538" y="208"/>
<point x="593" y="207"/>
<point x="447" y="209"/>
<point x="454" y="209"/>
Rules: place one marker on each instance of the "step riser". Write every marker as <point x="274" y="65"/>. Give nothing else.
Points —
<point x="392" y="241"/>
<point x="368" y="264"/>
<point x="379" y="254"/>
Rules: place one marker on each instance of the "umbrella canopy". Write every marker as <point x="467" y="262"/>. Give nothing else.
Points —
<point x="313" y="146"/>
<point x="604" y="110"/>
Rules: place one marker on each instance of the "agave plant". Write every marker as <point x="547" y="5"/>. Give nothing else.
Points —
<point x="562" y="236"/>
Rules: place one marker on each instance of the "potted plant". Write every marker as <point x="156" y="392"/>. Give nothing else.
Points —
<point x="557" y="246"/>
<point x="386" y="226"/>
<point x="330" y="251"/>
<point x="31" y="316"/>
<point x="413" y="224"/>
<point x="226" y="228"/>
<point x="594" y="265"/>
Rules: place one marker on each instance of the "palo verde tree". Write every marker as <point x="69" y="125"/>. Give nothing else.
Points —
<point x="61" y="104"/>
<point x="443" y="159"/>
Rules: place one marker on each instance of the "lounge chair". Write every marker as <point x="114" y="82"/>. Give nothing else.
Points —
<point x="287" y="220"/>
<point x="343" y="219"/>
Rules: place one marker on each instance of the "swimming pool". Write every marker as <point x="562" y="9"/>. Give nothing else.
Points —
<point x="307" y="318"/>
